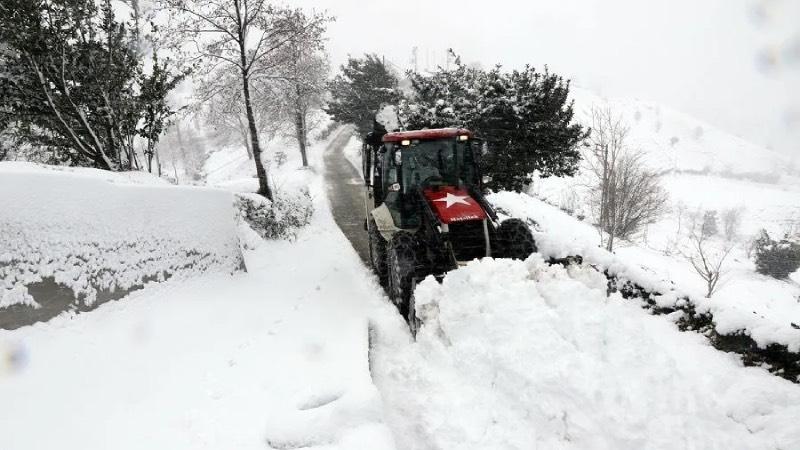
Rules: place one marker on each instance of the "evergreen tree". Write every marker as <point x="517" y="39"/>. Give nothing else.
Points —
<point x="524" y="115"/>
<point x="778" y="259"/>
<point x="359" y="92"/>
<point x="71" y="82"/>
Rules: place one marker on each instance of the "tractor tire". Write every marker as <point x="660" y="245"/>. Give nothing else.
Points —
<point x="514" y="240"/>
<point x="377" y="252"/>
<point x="401" y="265"/>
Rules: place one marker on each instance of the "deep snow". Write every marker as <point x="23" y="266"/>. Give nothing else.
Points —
<point x="764" y="308"/>
<point x="526" y="355"/>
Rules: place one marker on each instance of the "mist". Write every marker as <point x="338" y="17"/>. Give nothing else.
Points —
<point x="733" y="64"/>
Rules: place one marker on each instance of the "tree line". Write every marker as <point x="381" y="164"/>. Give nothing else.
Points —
<point x="80" y="85"/>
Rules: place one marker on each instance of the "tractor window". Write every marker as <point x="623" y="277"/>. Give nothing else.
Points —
<point x="388" y="168"/>
<point x="443" y="162"/>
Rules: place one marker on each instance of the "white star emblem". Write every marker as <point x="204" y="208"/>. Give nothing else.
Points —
<point x="451" y="200"/>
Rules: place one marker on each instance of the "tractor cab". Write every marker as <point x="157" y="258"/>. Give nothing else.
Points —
<point x="428" y="161"/>
<point x="425" y="211"/>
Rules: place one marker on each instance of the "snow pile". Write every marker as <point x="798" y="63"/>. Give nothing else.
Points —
<point x="517" y="354"/>
<point x="98" y="232"/>
<point x="763" y="310"/>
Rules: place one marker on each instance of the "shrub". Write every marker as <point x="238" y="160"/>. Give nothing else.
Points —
<point x="777" y="259"/>
<point x="278" y="219"/>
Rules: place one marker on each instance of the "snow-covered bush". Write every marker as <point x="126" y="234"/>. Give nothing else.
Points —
<point x="278" y="219"/>
<point x="777" y="259"/>
<point x="100" y="233"/>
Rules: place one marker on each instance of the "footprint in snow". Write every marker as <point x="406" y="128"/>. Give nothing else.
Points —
<point x="318" y="401"/>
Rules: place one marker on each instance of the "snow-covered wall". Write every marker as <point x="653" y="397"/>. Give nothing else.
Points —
<point x="100" y="232"/>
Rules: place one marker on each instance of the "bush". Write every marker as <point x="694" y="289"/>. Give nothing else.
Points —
<point x="278" y="219"/>
<point x="777" y="259"/>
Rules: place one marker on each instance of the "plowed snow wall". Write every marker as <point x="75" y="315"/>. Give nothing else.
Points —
<point x="98" y="233"/>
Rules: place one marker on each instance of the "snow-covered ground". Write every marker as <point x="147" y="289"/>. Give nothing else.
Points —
<point x="272" y="358"/>
<point x="520" y="355"/>
<point x="524" y="355"/>
<point x="765" y="308"/>
<point x="512" y="354"/>
<point x="704" y="169"/>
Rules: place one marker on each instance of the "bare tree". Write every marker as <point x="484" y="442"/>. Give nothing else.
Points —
<point x="223" y="107"/>
<point x="706" y="256"/>
<point x="305" y="73"/>
<point x="731" y="223"/>
<point x="243" y="35"/>
<point x="626" y="195"/>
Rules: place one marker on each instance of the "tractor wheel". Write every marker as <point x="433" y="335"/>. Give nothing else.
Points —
<point x="377" y="252"/>
<point x="514" y="240"/>
<point x="401" y="258"/>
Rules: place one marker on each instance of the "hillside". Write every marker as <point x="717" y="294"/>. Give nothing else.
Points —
<point x="677" y="142"/>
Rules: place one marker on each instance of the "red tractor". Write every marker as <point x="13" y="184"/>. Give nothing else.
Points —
<point x="425" y="211"/>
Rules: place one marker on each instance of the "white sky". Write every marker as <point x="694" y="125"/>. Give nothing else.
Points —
<point x="698" y="56"/>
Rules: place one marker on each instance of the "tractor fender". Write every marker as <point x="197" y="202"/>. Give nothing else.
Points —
<point x="384" y="222"/>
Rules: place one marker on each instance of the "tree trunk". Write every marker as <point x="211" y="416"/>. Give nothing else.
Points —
<point x="299" y="123"/>
<point x="245" y="136"/>
<point x="261" y="173"/>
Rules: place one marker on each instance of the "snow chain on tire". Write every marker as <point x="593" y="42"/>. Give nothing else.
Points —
<point x="401" y="270"/>
<point x="515" y="239"/>
<point x="377" y="252"/>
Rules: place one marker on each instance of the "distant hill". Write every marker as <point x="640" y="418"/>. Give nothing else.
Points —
<point x="674" y="141"/>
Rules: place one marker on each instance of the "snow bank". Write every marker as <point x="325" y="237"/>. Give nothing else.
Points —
<point x="766" y="316"/>
<point x="100" y="232"/>
<point x="517" y="354"/>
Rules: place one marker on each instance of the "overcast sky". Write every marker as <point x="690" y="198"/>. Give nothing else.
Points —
<point x="732" y="63"/>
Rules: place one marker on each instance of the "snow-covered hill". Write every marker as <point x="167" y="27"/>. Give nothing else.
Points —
<point x="702" y="167"/>
<point x="674" y="141"/>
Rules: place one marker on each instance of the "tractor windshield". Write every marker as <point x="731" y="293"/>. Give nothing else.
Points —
<point x="442" y="162"/>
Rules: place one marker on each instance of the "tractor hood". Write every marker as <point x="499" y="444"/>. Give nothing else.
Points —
<point x="454" y="205"/>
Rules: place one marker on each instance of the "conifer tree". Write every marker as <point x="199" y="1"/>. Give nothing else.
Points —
<point x="71" y="82"/>
<point x="524" y="115"/>
<point x="360" y="90"/>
